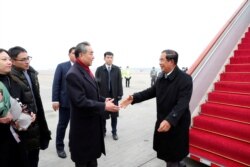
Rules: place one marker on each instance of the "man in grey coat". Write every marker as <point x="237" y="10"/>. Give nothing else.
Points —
<point x="109" y="80"/>
<point x="173" y="91"/>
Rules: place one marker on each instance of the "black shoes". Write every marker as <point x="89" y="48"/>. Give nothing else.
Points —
<point x="61" y="153"/>
<point x="115" y="137"/>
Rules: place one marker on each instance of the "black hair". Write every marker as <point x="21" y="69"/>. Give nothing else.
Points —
<point x="15" y="51"/>
<point x="70" y="50"/>
<point x="3" y="50"/>
<point x="108" y="53"/>
<point x="171" y="55"/>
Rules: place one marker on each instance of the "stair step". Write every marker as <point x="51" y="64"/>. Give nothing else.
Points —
<point x="227" y="112"/>
<point x="245" y="39"/>
<point x="244" y="46"/>
<point x="240" y="60"/>
<point x="247" y="36"/>
<point x="242" y="52"/>
<point x="230" y="98"/>
<point x="212" y="159"/>
<point x="235" y="76"/>
<point x="239" y="87"/>
<point x="221" y="145"/>
<point x="248" y="31"/>
<point x="228" y="128"/>
<point x="245" y="42"/>
<point x="237" y="68"/>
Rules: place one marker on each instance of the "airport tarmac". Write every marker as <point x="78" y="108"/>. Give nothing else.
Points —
<point x="135" y="131"/>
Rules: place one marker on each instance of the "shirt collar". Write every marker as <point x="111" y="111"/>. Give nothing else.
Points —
<point x="107" y="66"/>
<point x="167" y="74"/>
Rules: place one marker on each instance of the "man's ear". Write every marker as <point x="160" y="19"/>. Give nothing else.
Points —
<point x="81" y="54"/>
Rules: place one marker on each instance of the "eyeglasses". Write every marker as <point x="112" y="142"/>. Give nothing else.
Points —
<point x="24" y="59"/>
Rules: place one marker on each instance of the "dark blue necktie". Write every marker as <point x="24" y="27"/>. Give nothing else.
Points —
<point x="109" y="79"/>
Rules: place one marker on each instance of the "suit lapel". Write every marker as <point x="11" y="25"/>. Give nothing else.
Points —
<point x="87" y="76"/>
<point x="68" y="65"/>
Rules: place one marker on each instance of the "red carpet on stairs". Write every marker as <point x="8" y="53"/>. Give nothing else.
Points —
<point x="238" y="114"/>
<point x="226" y="127"/>
<point x="235" y="76"/>
<point x="221" y="132"/>
<point x="244" y="45"/>
<point x="242" y="52"/>
<point x="226" y="147"/>
<point x="215" y="159"/>
<point x="240" y="60"/>
<point x="237" y="67"/>
<point x="237" y="87"/>
<point x="230" y="98"/>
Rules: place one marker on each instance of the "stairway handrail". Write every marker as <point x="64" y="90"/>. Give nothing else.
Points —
<point x="207" y="67"/>
<point x="214" y="40"/>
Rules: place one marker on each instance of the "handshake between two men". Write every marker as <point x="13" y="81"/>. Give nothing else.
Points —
<point x="110" y="106"/>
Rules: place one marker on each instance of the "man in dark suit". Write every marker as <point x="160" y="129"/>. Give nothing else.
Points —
<point x="86" y="140"/>
<point x="60" y="101"/>
<point x="173" y="91"/>
<point x="109" y="80"/>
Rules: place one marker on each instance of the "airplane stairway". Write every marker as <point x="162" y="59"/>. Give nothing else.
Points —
<point x="220" y="134"/>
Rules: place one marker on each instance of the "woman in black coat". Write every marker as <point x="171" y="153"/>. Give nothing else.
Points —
<point x="11" y="152"/>
<point x="173" y="90"/>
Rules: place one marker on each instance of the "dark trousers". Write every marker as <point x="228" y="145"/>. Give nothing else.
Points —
<point x="127" y="82"/>
<point x="63" y="121"/>
<point x="33" y="157"/>
<point x="153" y="79"/>
<point x="92" y="163"/>
<point x="11" y="153"/>
<point x="113" y="125"/>
<point x="175" y="164"/>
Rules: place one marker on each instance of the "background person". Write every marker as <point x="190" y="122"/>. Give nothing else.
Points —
<point x="173" y="90"/>
<point x="153" y="75"/>
<point x="109" y="80"/>
<point x="9" y="148"/>
<point x="60" y="101"/>
<point x="122" y="73"/>
<point x="127" y="76"/>
<point x="37" y="136"/>
<point x="86" y="140"/>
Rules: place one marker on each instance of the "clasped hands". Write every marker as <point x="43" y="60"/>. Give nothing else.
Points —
<point x="164" y="126"/>
<point x="110" y="106"/>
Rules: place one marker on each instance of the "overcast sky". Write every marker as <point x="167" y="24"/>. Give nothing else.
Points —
<point x="136" y="31"/>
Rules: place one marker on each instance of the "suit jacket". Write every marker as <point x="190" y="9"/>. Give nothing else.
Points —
<point x="172" y="98"/>
<point x="59" y="89"/>
<point x="86" y="140"/>
<point x="101" y="76"/>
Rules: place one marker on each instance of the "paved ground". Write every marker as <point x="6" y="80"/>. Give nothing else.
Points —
<point x="135" y="131"/>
